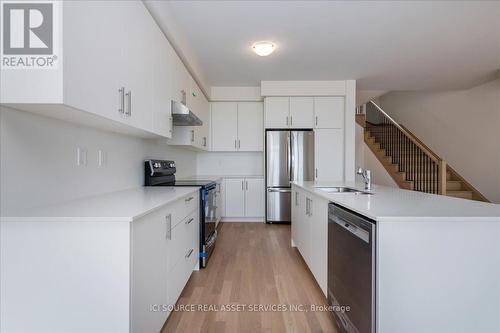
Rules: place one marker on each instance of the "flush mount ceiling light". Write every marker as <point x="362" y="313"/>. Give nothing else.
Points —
<point x="263" y="48"/>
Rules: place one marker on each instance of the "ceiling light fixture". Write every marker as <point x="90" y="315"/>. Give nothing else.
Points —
<point x="263" y="48"/>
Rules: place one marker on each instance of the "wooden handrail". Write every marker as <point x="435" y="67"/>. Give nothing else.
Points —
<point x="409" y="135"/>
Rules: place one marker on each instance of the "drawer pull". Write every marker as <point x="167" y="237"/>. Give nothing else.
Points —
<point x="168" y="219"/>
<point x="190" y="220"/>
<point x="189" y="253"/>
<point x="189" y="199"/>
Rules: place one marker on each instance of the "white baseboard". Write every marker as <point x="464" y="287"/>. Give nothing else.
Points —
<point x="243" y="219"/>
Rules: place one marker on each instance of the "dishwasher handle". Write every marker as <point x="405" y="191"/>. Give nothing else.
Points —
<point x="353" y="229"/>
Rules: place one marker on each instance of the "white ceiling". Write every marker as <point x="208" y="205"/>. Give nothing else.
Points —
<point x="387" y="45"/>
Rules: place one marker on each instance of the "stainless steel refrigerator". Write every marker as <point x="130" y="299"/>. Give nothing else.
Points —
<point x="289" y="157"/>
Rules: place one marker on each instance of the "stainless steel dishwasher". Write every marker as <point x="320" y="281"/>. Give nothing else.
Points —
<point x="351" y="269"/>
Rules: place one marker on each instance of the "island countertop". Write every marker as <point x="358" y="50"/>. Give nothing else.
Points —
<point x="394" y="204"/>
<point x="120" y="206"/>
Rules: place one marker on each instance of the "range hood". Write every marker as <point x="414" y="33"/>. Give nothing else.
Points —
<point x="182" y="116"/>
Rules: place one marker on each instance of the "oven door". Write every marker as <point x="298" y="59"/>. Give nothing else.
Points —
<point x="209" y="203"/>
<point x="351" y="269"/>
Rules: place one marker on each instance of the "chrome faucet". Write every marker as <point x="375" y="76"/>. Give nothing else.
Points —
<point x="367" y="178"/>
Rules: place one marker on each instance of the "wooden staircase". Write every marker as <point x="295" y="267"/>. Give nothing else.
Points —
<point x="410" y="163"/>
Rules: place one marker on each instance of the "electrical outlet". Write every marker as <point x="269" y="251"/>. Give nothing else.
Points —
<point x="81" y="156"/>
<point x="101" y="158"/>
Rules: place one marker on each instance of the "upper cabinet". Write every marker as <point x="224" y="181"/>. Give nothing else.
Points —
<point x="301" y="112"/>
<point x="116" y="70"/>
<point x="304" y="112"/>
<point x="237" y="126"/>
<point x="329" y="112"/>
<point x="277" y="112"/>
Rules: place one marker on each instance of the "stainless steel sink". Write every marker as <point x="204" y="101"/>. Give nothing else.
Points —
<point x="340" y="189"/>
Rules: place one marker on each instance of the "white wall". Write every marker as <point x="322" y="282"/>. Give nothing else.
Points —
<point x="230" y="163"/>
<point x="463" y="127"/>
<point x="38" y="160"/>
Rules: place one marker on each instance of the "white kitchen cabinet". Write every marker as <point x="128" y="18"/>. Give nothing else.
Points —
<point x="254" y="197"/>
<point x="235" y="197"/>
<point x="111" y="56"/>
<point x="329" y="154"/>
<point x="301" y="112"/>
<point x="237" y="126"/>
<point x="109" y="274"/>
<point x="198" y="103"/>
<point x="319" y="240"/>
<point x="162" y="86"/>
<point x="329" y="112"/>
<point x="310" y="232"/>
<point x="244" y="197"/>
<point x="276" y="112"/>
<point x="224" y="126"/>
<point x="250" y="126"/>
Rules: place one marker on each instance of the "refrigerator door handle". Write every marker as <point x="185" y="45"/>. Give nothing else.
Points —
<point x="288" y="157"/>
<point x="281" y="190"/>
<point x="291" y="161"/>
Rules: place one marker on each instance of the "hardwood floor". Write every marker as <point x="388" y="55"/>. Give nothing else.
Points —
<point x="253" y="263"/>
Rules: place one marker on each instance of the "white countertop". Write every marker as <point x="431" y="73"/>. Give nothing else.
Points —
<point x="394" y="204"/>
<point x="121" y="206"/>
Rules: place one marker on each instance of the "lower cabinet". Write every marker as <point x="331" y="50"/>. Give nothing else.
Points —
<point x="310" y="232"/>
<point x="244" y="197"/>
<point x="164" y="253"/>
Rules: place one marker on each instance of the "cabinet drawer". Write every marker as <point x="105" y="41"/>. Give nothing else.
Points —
<point x="184" y="238"/>
<point x="184" y="207"/>
<point x="186" y="258"/>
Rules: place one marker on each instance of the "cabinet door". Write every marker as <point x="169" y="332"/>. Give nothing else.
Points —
<point x="329" y="154"/>
<point x="93" y="62"/>
<point x="224" y="126"/>
<point x="162" y="85"/>
<point x="138" y="55"/>
<point x="329" y="112"/>
<point x="319" y="241"/>
<point x="305" y="231"/>
<point x="277" y="112"/>
<point x="199" y="105"/>
<point x="301" y="112"/>
<point x="235" y="197"/>
<point x="254" y="197"/>
<point x="298" y="214"/>
<point x="180" y="81"/>
<point x="250" y="126"/>
<point x="149" y="271"/>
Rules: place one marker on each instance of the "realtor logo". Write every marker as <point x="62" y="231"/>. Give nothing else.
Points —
<point x="28" y="35"/>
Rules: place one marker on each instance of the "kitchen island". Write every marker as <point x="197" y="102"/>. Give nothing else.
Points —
<point x="437" y="259"/>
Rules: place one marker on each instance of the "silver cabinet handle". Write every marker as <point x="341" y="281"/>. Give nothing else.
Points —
<point x="242" y="185"/>
<point x="188" y="199"/>
<point x="204" y="141"/>
<point x="307" y="206"/>
<point x="192" y="135"/>
<point x="316" y="172"/>
<point x="296" y="198"/>
<point x="121" y="95"/>
<point x="168" y="219"/>
<point x="310" y="207"/>
<point x="190" y="220"/>
<point x="286" y="120"/>
<point x="291" y="120"/>
<point x="189" y="253"/>
<point x="239" y="144"/>
<point x="129" y="102"/>
<point x="235" y="144"/>
<point x="246" y="184"/>
<point x="316" y="121"/>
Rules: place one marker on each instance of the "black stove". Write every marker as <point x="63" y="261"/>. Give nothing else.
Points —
<point x="162" y="173"/>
